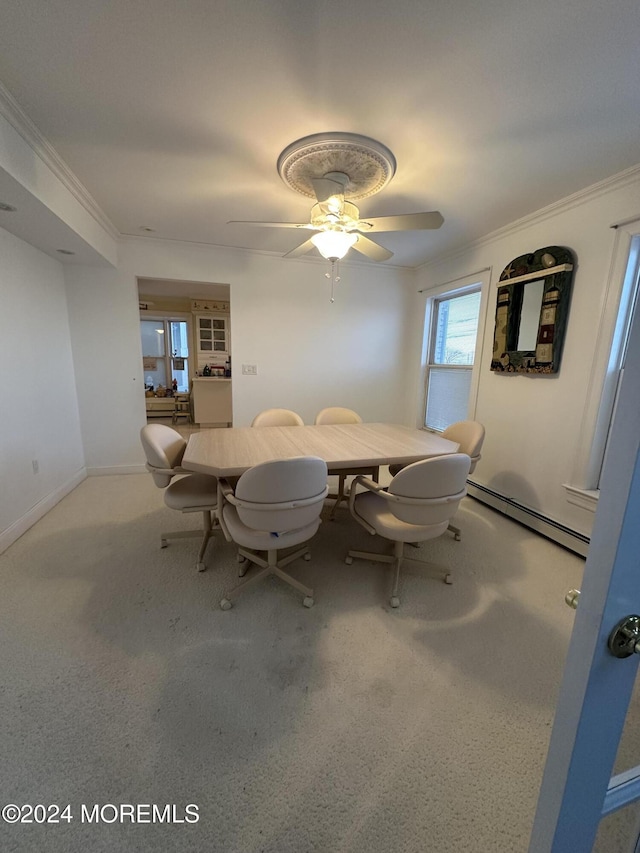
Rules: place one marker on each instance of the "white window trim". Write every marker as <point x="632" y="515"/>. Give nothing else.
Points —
<point x="479" y="280"/>
<point x="584" y="498"/>
<point x="160" y="316"/>
<point x="596" y="417"/>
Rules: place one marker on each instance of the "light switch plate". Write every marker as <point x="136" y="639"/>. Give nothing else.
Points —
<point x="250" y="369"/>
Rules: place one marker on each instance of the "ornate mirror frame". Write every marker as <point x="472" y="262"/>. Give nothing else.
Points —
<point x="551" y="268"/>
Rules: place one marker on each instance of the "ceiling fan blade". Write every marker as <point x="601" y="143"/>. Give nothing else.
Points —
<point x="404" y="222"/>
<point x="271" y="224"/>
<point x="302" y="249"/>
<point x="372" y="250"/>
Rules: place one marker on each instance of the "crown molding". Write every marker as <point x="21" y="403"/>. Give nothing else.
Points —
<point x="617" y="181"/>
<point x="11" y="110"/>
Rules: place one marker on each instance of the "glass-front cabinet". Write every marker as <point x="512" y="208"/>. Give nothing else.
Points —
<point x="213" y="335"/>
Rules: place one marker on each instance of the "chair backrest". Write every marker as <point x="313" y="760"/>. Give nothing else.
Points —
<point x="470" y="436"/>
<point x="282" y="495"/>
<point x="164" y="448"/>
<point x="337" y="415"/>
<point x="277" y="417"/>
<point x="439" y="481"/>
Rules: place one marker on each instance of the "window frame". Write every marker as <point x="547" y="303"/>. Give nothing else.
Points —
<point x="599" y="404"/>
<point x="166" y="318"/>
<point x="629" y="304"/>
<point x="478" y="281"/>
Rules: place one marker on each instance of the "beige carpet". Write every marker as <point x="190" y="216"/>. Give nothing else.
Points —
<point x="347" y="727"/>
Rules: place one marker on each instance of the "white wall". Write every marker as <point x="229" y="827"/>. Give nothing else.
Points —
<point x="39" y="408"/>
<point x="533" y="423"/>
<point x="309" y="353"/>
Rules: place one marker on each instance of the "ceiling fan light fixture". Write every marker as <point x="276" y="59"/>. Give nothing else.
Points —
<point x="333" y="245"/>
<point x="347" y="216"/>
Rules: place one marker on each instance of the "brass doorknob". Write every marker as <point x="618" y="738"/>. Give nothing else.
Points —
<point x="572" y="597"/>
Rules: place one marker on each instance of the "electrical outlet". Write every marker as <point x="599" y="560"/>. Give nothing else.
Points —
<point x="35" y="465"/>
<point x="250" y="369"/>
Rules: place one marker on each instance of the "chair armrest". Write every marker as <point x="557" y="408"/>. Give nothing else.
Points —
<point x="170" y="472"/>
<point x="372" y="487"/>
<point x="225" y="488"/>
<point x="403" y="499"/>
<point x="270" y="507"/>
<point x="367" y="483"/>
<point x="225" y="494"/>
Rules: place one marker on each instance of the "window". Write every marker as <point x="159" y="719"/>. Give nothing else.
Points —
<point x="450" y="357"/>
<point x="165" y="352"/>
<point x="620" y="300"/>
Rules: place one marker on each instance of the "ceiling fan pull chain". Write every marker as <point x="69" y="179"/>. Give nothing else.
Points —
<point x="334" y="275"/>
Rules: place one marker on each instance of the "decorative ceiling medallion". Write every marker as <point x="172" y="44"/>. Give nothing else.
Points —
<point x="368" y="164"/>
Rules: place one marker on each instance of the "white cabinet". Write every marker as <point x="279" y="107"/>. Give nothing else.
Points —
<point x="212" y="335"/>
<point x="159" y="407"/>
<point x="211" y="401"/>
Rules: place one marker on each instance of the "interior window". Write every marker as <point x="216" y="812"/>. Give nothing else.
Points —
<point x="450" y="357"/>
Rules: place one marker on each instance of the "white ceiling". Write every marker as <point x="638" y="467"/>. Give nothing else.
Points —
<point x="173" y="113"/>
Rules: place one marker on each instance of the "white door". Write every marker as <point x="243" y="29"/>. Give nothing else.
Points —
<point x="596" y="688"/>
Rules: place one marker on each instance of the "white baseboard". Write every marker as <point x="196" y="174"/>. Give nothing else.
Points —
<point x="15" y="530"/>
<point x="571" y="539"/>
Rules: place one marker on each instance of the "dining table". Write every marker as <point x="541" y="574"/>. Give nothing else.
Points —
<point x="232" y="451"/>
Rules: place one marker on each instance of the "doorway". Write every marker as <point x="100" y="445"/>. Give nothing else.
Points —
<point x="174" y="348"/>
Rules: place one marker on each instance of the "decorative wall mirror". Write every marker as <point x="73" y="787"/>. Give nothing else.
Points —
<point x="532" y="307"/>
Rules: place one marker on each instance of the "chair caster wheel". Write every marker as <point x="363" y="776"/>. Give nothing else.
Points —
<point x="457" y="537"/>
<point x="201" y="567"/>
<point x="348" y="560"/>
<point x="394" y="601"/>
<point x="448" y="579"/>
<point x="225" y="604"/>
<point x="163" y="543"/>
<point x="307" y="601"/>
<point x="306" y="556"/>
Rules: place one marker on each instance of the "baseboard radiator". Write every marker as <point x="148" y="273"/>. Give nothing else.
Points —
<point x="565" y="536"/>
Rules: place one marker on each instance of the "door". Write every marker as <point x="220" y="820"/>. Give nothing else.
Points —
<point x="576" y="790"/>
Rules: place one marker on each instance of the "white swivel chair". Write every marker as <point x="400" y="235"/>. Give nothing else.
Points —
<point x="417" y="505"/>
<point x="470" y="437"/>
<point x="164" y="449"/>
<point x="275" y="505"/>
<point x="339" y="415"/>
<point x="277" y="417"/>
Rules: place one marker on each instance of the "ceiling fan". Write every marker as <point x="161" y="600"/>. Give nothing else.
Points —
<point x="335" y="168"/>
